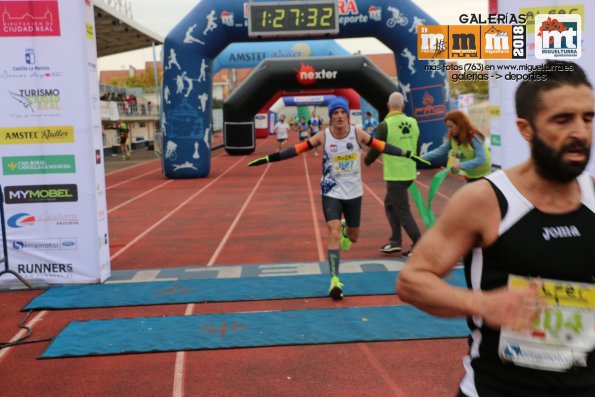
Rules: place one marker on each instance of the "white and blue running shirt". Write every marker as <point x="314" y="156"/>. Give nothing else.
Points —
<point x="341" y="166"/>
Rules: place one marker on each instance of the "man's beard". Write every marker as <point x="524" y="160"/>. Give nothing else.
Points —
<point x="551" y="165"/>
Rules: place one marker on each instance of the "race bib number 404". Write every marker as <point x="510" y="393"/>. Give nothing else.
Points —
<point x="563" y="334"/>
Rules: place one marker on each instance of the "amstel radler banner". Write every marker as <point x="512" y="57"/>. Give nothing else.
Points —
<point x="51" y="148"/>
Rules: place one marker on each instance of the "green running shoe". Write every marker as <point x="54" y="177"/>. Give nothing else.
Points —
<point x="345" y="242"/>
<point x="335" y="291"/>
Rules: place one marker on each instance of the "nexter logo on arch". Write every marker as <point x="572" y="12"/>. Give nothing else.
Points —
<point x="558" y="36"/>
<point x="307" y="75"/>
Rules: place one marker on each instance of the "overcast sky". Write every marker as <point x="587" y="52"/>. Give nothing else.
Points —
<point x="161" y="16"/>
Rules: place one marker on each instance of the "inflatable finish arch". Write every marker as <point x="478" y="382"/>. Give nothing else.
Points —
<point x="262" y="130"/>
<point x="355" y="72"/>
<point x="240" y="55"/>
<point x="190" y="48"/>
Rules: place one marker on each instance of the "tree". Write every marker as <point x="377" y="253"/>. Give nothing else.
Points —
<point x="471" y="83"/>
<point x="144" y="79"/>
<point x="217" y="103"/>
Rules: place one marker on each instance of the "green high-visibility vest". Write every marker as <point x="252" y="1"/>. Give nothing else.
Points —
<point x="465" y="152"/>
<point x="403" y="132"/>
<point x="122" y="129"/>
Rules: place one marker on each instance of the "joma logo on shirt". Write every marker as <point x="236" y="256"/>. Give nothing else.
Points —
<point x="560" y="232"/>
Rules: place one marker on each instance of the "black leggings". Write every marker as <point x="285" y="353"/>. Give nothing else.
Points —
<point x="333" y="209"/>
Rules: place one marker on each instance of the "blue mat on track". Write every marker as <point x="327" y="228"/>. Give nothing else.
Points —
<point x="216" y="290"/>
<point x="250" y="329"/>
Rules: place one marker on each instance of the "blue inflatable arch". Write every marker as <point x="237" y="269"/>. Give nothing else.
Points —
<point x="191" y="47"/>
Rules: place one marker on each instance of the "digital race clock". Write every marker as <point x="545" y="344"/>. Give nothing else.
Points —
<point x="292" y="18"/>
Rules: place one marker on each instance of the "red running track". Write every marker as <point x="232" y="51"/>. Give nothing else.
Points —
<point x="238" y="215"/>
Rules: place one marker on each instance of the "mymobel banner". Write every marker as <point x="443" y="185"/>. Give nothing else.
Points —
<point x="52" y="180"/>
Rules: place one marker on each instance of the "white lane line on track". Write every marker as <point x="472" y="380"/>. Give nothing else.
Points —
<point x="169" y="214"/>
<point x="131" y="179"/>
<point x="129" y="168"/>
<point x="396" y="390"/>
<point x="139" y="196"/>
<point x="237" y="218"/>
<point x="369" y="189"/>
<point x="22" y="332"/>
<point x="141" y="175"/>
<point x="314" y="217"/>
<point x="178" y="390"/>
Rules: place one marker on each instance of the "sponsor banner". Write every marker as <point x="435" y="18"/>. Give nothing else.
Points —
<point x="428" y="103"/>
<point x="30" y="18"/>
<point x="558" y="36"/>
<point x="261" y="120"/>
<point x="40" y="194"/>
<point x="514" y="149"/>
<point x="35" y="102"/>
<point x="44" y="220"/>
<point x="45" y="270"/>
<point x="227" y="18"/>
<point x="471" y="42"/>
<point x="43" y="244"/>
<point x="237" y="55"/>
<point x="303" y="99"/>
<point x="100" y="227"/>
<point x="50" y="92"/>
<point x="556" y="10"/>
<point x="36" y="135"/>
<point x="307" y="75"/>
<point x="90" y="31"/>
<point x="29" y="165"/>
<point x="350" y="13"/>
<point x="23" y="64"/>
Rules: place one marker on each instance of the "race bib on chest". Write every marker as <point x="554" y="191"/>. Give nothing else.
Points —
<point x="346" y="165"/>
<point x="564" y="333"/>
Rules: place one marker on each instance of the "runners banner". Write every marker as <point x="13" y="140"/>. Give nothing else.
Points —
<point x="425" y="209"/>
<point x="51" y="147"/>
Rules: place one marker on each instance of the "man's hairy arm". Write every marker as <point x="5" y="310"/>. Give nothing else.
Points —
<point x="470" y="220"/>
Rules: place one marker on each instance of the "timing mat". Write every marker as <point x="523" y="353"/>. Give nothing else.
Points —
<point x="250" y="329"/>
<point x="216" y="290"/>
